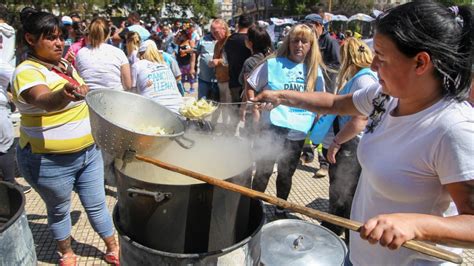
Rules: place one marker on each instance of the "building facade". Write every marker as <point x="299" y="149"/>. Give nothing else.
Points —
<point x="224" y="9"/>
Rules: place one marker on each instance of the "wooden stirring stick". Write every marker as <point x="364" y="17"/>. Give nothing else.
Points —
<point x="415" y="245"/>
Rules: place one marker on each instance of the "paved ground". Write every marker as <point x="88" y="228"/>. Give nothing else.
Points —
<point x="87" y="244"/>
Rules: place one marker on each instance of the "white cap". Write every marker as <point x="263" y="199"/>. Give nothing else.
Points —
<point x="67" y="20"/>
<point x="144" y="45"/>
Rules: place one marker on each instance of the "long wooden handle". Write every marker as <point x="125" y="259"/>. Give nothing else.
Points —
<point x="330" y="218"/>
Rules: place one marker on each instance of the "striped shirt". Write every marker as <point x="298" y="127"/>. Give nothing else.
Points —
<point x="61" y="131"/>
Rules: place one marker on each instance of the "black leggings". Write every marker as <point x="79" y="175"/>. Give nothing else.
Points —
<point x="343" y="180"/>
<point x="287" y="162"/>
<point x="7" y="164"/>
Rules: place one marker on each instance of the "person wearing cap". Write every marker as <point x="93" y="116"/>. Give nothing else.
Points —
<point x="329" y="48"/>
<point x="67" y="24"/>
<point x="152" y="78"/>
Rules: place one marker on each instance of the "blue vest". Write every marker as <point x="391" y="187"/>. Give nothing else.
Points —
<point x="284" y="74"/>
<point x="144" y="34"/>
<point x="325" y="122"/>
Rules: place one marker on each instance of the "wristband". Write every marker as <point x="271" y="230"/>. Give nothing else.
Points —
<point x="335" y="142"/>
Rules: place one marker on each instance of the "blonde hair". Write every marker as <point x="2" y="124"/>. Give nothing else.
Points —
<point x="152" y="54"/>
<point x="312" y="60"/>
<point x="132" y="42"/>
<point x="98" y="32"/>
<point x="355" y="55"/>
<point x="222" y="23"/>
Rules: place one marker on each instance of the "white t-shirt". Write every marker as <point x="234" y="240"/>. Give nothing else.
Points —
<point x="100" y="67"/>
<point x="157" y="82"/>
<point x="133" y="58"/>
<point x="405" y="162"/>
<point x="258" y="80"/>
<point x="7" y="44"/>
<point x="6" y="75"/>
<point x="361" y="82"/>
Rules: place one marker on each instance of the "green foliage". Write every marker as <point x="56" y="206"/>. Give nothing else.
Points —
<point x="351" y="7"/>
<point x="295" y="7"/>
<point x="455" y="2"/>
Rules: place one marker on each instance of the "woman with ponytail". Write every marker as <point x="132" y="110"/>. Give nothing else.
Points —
<point x="101" y="65"/>
<point x="417" y="179"/>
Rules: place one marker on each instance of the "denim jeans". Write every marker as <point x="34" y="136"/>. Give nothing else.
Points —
<point x="55" y="176"/>
<point x="208" y="90"/>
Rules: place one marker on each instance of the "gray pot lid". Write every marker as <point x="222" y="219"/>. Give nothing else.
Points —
<point x="296" y="242"/>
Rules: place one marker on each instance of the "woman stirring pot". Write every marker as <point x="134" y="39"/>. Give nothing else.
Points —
<point x="417" y="179"/>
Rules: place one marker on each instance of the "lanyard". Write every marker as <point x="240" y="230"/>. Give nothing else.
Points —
<point x="66" y="77"/>
<point x="66" y="74"/>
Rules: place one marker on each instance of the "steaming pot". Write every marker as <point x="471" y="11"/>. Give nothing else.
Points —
<point x="170" y="212"/>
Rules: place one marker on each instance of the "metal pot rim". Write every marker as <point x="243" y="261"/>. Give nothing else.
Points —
<point x="20" y="210"/>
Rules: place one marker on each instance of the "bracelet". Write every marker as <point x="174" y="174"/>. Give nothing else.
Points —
<point x="335" y="142"/>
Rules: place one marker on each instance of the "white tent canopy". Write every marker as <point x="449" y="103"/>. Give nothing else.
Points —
<point x="282" y="21"/>
<point x="361" y="17"/>
<point x="339" y="18"/>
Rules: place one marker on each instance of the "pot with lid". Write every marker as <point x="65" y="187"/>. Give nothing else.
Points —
<point x="296" y="242"/>
<point x="173" y="213"/>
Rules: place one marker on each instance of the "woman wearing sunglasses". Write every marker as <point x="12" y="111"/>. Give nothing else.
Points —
<point x="295" y="66"/>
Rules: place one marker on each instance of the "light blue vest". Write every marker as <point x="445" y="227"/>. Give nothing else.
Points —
<point x="144" y="34"/>
<point x="325" y="122"/>
<point x="284" y="74"/>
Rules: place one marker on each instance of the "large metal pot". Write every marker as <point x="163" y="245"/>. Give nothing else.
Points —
<point x="16" y="240"/>
<point x="119" y="121"/>
<point x="170" y="212"/>
<point x="244" y="251"/>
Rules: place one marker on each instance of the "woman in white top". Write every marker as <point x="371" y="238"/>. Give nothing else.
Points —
<point x="132" y="43"/>
<point x="152" y="78"/>
<point x="101" y="65"/>
<point x="417" y="179"/>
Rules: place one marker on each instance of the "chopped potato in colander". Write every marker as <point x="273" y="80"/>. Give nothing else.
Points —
<point x="151" y="130"/>
<point x="197" y="109"/>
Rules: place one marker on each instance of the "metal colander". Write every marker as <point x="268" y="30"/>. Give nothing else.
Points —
<point x="117" y="118"/>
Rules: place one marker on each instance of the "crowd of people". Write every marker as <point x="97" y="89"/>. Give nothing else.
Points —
<point x="393" y="120"/>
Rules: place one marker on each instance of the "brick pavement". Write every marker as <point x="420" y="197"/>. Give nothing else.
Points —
<point x="89" y="247"/>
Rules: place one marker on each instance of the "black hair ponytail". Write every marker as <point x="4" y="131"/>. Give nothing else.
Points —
<point x="466" y="48"/>
<point x="425" y="25"/>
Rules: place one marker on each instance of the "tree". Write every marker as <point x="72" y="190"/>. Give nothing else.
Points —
<point x="455" y="2"/>
<point x="295" y="7"/>
<point x="351" y="7"/>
